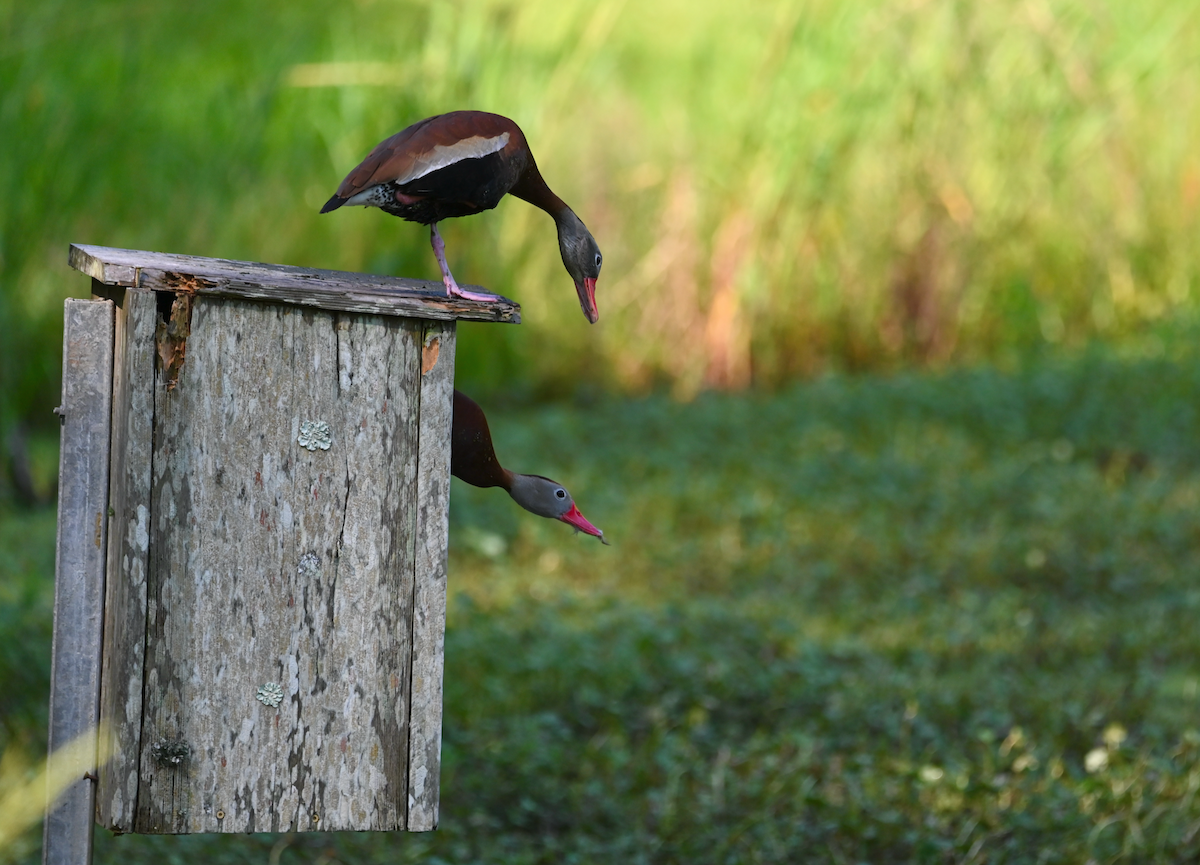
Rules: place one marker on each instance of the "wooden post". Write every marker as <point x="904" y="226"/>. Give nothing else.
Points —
<point x="279" y="490"/>
<point x="79" y="565"/>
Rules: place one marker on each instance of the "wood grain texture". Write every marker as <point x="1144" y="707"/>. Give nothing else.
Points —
<point x="79" y="564"/>
<point x="128" y="547"/>
<point x="321" y="289"/>
<point x="429" y="607"/>
<point x="274" y="563"/>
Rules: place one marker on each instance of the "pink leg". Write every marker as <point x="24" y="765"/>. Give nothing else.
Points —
<point x="452" y="289"/>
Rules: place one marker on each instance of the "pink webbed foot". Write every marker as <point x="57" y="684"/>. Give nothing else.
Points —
<point x="452" y="289"/>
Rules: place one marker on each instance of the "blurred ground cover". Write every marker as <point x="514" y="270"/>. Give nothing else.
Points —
<point x="920" y="617"/>
<point x="886" y="619"/>
<point x="779" y="188"/>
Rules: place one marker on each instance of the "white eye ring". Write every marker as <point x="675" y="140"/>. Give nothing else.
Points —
<point x="561" y="493"/>
<point x="599" y="259"/>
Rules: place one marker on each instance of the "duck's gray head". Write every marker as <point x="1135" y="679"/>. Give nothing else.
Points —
<point x="550" y="499"/>
<point x="582" y="258"/>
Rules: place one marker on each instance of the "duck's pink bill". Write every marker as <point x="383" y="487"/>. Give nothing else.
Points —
<point x="587" y="299"/>
<point x="580" y="522"/>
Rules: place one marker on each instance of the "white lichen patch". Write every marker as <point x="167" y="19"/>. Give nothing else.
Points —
<point x="269" y="694"/>
<point x="315" y="435"/>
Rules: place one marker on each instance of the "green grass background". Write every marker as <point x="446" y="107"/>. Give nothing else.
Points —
<point x="891" y="413"/>
<point x="779" y="188"/>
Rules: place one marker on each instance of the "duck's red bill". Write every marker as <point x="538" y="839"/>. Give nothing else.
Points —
<point x="575" y="518"/>
<point x="587" y="299"/>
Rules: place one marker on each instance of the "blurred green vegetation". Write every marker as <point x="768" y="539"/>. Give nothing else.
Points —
<point x="779" y="188"/>
<point x="916" y="618"/>
<point x="939" y="611"/>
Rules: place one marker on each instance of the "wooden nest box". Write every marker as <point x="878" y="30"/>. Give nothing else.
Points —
<point x="268" y="520"/>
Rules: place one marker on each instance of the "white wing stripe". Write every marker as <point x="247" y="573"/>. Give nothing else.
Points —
<point x="443" y="155"/>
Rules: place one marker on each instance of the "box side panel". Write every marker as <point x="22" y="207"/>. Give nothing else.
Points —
<point x="281" y="549"/>
<point x="429" y="606"/>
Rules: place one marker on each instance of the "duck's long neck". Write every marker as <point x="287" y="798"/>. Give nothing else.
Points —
<point x="472" y="457"/>
<point x="532" y="188"/>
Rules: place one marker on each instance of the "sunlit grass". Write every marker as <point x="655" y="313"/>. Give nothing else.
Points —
<point x="778" y="188"/>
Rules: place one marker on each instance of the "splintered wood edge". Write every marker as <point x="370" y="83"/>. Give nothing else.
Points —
<point x="340" y="291"/>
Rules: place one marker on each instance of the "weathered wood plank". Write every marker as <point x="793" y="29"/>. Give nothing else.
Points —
<point x="322" y="289"/>
<point x="281" y="553"/>
<point x="79" y="566"/>
<point x="379" y="379"/>
<point x="429" y="607"/>
<point x="128" y="546"/>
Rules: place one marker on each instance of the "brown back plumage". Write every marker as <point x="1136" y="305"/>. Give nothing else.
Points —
<point x="398" y="157"/>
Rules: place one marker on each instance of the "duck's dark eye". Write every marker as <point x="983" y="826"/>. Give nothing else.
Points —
<point x="599" y="261"/>
<point x="561" y="493"/>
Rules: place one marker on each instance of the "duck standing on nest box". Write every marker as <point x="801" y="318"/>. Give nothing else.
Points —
<point x="461" y="163"/>
<point x="473" y="459"/>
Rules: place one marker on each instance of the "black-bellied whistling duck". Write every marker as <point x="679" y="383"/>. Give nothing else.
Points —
<point x="461" y="163"/>
<point x="473" y="459"/>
